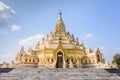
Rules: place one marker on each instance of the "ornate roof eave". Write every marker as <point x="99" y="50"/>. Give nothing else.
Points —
<point x="92" y="54"/>
<point x="59" y="47"/>
<point x="31" y="56"/>
<point x="38" y="50"/>
<point x="76" y="49"/>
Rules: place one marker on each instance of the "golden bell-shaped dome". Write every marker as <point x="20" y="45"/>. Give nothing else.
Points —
<point x="60" y="26"/>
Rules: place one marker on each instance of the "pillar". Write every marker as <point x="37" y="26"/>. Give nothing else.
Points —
<point x="71" y="64"/>
<point x="78" y="63"/>
<point x="64" y="64"/>
<point x="54" y="64"/>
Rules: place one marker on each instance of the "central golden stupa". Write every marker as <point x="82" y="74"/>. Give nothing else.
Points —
<point x="59" y="49"/>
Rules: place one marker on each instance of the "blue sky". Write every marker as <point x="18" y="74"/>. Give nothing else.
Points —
<point x="94" y="22"/>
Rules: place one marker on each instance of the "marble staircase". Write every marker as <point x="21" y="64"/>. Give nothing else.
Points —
<point x="60" y="74"/>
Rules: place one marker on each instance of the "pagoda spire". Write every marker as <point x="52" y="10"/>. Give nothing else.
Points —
<point x="22" y="49"/>
<point x="38" y="45"/>
<point x="30" y="49"/>
<point x="60" y="26"/>
<point x="97" y="50"/>
<point x="60" y="15"/>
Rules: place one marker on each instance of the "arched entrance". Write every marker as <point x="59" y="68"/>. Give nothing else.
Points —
<point x="59" y="63"/>
<point x="98" y="58"/>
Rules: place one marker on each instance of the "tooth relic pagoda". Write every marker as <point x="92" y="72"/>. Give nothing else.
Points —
<point x="59" y="50"/>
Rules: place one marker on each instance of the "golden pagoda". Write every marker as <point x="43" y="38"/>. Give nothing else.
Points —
<point x="59" y="49"/>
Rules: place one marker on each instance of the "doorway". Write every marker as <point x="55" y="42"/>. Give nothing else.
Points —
<point x="59" y="63"/>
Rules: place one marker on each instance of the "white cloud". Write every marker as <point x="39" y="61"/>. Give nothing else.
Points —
<point x="29" y="41"/>
<point x="8" y="57"/>
<point x="5" y="14"/>
<point x="102" y="48"/>
<point x="89" y="35"/>
<point x="15" y="28"/>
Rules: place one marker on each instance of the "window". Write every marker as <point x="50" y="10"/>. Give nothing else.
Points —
<point x="72" y="60"/>
<point x="98" y="57"/>
<point x="29" y="60"/>
<point x="21" y="55"/>
<point x="52" y="60"/>
<point x="25" y="60"/>
<point x="89" y="61"/>
<point x="67" y="60"/>
<point x="85" y="61"/>
<point x="33" y="61"/>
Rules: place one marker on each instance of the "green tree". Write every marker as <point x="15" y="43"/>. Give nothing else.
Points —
<point x="116" y="59"/>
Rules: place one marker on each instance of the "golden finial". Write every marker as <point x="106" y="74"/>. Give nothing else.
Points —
<point x="22" y="49"/>
<point x="60" y="15"/>
<point x="77" y="43"/>
<point x="30" y="49"/>
<point x="97" y="49"/>
<point x="38" y="44"/>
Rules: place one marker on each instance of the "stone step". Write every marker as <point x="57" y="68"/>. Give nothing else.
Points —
<point x="58" y="74"/>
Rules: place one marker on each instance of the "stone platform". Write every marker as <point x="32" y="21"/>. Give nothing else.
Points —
<point x="61" y="74"/>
